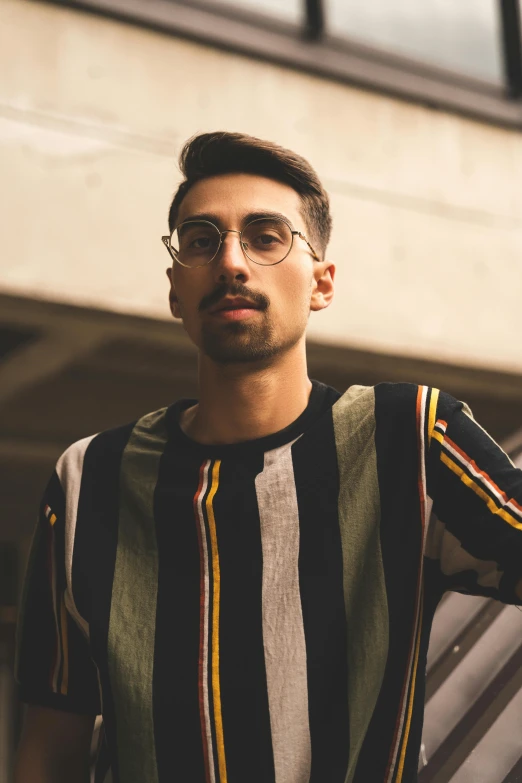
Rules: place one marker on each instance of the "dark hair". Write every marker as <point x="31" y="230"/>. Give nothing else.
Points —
<point x="211" y="154"/>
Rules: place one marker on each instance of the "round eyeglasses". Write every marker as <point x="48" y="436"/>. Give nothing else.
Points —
<point x="266" y="241"/>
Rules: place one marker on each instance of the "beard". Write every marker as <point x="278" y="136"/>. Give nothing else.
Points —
<point x="243" y="342"/>
<point x="240" y="343"/>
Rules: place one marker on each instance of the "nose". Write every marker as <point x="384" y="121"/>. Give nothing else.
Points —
<point x="230" y="262"/>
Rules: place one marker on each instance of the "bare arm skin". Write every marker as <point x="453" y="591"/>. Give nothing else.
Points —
<point x="54" y="748"/>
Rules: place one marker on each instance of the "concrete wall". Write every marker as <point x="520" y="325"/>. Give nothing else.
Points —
<point x="427" y="206"/>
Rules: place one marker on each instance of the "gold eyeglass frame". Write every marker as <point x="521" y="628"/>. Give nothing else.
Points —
<point x="175" y="255"/>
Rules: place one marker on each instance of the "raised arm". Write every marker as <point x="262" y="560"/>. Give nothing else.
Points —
<point x="476" y="527"/>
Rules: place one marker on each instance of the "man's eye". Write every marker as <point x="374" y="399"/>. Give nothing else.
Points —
<point x="200" y="243"/>
<point x="267" y="239"/>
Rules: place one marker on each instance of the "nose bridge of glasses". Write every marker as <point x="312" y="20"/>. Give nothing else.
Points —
<point x="222" y="237"/>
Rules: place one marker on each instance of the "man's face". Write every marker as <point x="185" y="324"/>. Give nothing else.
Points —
<point x="282" y="295"/>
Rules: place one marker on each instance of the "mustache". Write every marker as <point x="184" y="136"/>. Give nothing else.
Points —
<point x="237" y="289"/>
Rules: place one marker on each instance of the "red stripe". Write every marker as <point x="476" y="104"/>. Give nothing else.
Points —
<point x="473" y="464"/>
<point x="201" y="673"/>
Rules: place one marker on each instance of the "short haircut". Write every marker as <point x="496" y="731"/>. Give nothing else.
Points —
<point x="212" y="154"/>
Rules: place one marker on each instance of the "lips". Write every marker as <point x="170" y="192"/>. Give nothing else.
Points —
<point x="234" y="304"/>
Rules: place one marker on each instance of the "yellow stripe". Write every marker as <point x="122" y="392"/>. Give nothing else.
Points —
<point x="216" y="581"/>
<point x="432" y="413"/>
<point x="438" y="436"/>
<point x="500" y="512"/>
<point x="406" y="734"/>
<point x="65" y="650"/>
<point x="52" y="519"/>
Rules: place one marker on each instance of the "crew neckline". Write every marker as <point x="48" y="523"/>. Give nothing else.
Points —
<point x="321" y="398"/>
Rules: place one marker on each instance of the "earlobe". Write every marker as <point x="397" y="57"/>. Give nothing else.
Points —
<point x="324" y="286"/>
<point x="174" y="304"/>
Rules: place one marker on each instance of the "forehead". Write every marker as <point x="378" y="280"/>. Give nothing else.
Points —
<point x="232" y="196"/>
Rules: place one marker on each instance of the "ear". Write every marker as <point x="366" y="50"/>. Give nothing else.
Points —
<point x="323" y="285"/>
<point x="173" y="299"/>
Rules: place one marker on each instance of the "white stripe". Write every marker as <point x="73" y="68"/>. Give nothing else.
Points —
<point x="69" y="469"/>
<point x="283" y="630"/>
<point x="417" y="608"/>
<point x="204" y="541"/>
<point x="483" y="480"/>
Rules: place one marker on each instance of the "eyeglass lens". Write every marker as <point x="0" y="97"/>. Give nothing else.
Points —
<point x="265" y="241"/>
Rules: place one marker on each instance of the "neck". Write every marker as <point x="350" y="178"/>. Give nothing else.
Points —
<point x="242" y="402"/>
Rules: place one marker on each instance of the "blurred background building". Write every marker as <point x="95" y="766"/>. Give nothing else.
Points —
<point x="411" y="113"/>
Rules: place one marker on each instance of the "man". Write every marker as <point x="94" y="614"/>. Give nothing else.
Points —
<point x="243" y="585"/>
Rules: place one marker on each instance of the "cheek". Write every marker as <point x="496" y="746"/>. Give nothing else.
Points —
<point x="294" y="291"/>
<point x="189" y="292"/>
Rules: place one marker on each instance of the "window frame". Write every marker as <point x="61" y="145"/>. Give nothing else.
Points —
<point x="311" y="50"/>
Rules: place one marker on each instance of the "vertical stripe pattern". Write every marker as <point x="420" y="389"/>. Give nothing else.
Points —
<point x="283" y="632"/>
<point x="262" y="610"/>
<point x="131" y="646"/>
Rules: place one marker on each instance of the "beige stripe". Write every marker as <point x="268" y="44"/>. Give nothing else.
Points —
<point x="363" y="576"/>
<point x="283" y="632"/>
<point x="132" y="624"/>
<point x="69" y="469"/>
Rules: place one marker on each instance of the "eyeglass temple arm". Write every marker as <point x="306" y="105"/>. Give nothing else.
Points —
<point x="166" y="241"/>
<point x="302" y="236"/>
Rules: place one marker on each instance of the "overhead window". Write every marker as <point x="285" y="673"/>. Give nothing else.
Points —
<point x="458" y="55"/>
<point x="463" y="36"/>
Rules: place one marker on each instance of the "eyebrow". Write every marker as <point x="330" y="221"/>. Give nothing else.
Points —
<point x="212" y="218"/>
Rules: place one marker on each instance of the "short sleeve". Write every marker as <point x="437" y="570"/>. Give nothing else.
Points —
<point x="54" y="667"/>
<point x="475" y="529"/>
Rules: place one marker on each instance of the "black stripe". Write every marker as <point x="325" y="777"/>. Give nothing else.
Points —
<point x="95" y="556"/>
<point x="244" y="694"/>
<point x="321" y="587"/>
<point x="177" y="727"/>
<point x="38" y="630"/>
<point x="56" y="543"/>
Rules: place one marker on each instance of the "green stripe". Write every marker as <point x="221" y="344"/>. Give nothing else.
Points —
<point x="132" y="624"/>
<point x="363" y="574"/>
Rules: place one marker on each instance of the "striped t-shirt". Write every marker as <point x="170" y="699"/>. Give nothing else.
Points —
<point x="260" y="611"/>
